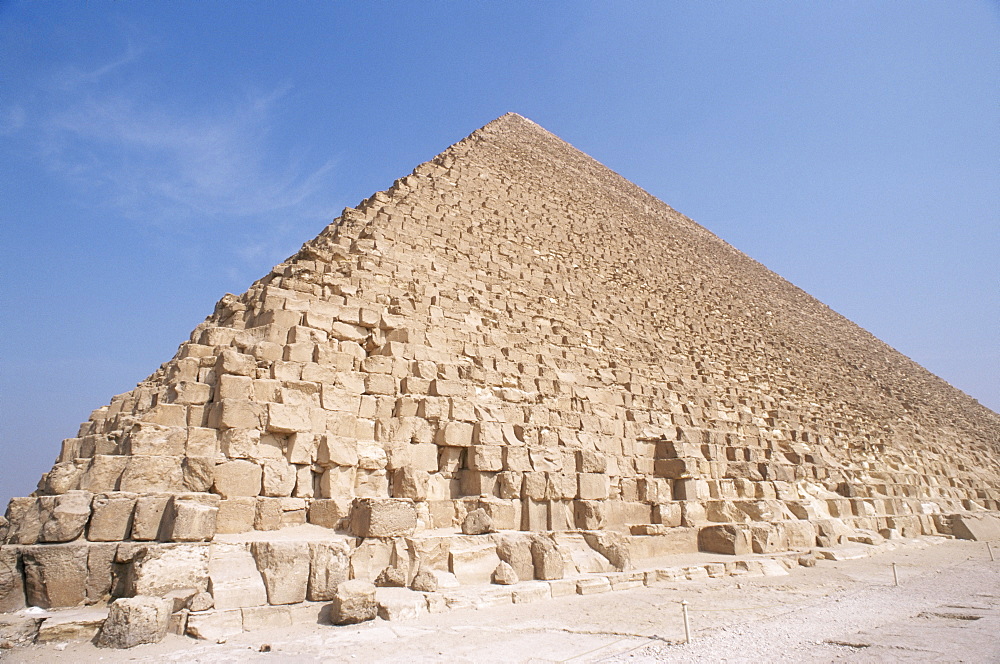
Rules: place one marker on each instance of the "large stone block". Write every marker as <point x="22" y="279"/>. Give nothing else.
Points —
<point x="383" y="517"/>
<point x="238" y="478"/>
<point x="55" y="575"/>
<point x="981" y="527"/>
<point x="190" y="517"/>
<point x="157" y="569"/>
<point x="236" y="515"/>
<point x="64" y="517"/>
<point x="132" y="621"/>
<point x="284" y="567"/>
<point x="145" y="474"/>
<point x="233" y="578"/>
<point x="112" y="517"/>
<point x="728" y="539"/>
<point x="353" y="602"/>
<point x="329" y="566"/>
<point x="547" y="560"/>
<point x="11" y="580"/>
<point x="473" y="563"/>
<point x="148" y="516"/>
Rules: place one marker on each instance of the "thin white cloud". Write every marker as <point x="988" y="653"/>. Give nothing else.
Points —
<point x="163" y="163"/>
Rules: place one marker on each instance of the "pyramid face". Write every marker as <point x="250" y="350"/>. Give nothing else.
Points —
<point x="516" y="328"/>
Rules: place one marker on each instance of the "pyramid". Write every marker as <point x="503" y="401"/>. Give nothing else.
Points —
<point x="511" y="355"/>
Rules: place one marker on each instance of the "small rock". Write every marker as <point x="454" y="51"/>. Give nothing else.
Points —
<point x="391" y="577"/>
<point x="477" y="522"/>
<point x="504" y="575"/>
<point x="807" y="561"/>
<point x="425" y="581"/>
<point x="202" y="602"/>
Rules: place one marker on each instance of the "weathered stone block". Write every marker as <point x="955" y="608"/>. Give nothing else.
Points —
<point x="190" y="517"/>
<point x="329" y="566"/>
<point x="728" y="539"/>
<point x="135" y="620"/>
<point x="473" y="563"/>
<point x="981" y="527"/>
<point x="55" y="575"/>
<point x="238" y="478"/>
<point x="353" y="602"/>
<point x="64" y="517"/>
<point x="11" y="580"/>
<point x="236" y="515"/>
<point x="284" y="567"/>
<point x="112" y="517"/>
<point x="546" y="559"/>
<point x="156" y="569"/>
<point x="383" y="517"/>
<point x="233" y="578"/>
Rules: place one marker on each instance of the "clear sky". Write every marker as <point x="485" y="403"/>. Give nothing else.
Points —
<point x="156" y="155"/>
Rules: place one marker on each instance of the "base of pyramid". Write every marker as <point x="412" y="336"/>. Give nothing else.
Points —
<point x="245" y="603"/>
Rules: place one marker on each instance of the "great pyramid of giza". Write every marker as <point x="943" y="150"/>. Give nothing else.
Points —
<point x="512" y="356"/>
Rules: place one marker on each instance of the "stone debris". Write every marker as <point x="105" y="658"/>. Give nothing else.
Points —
<point x="510" y="370"/>
<point x="132" y="621"/>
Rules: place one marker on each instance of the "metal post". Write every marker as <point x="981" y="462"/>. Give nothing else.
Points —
<point x="989" y="548"/>
<point x="687" y="627"/>
<point x="895" y="577"/>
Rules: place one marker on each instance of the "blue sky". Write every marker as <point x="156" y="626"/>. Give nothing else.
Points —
<point x="157" y="155"/>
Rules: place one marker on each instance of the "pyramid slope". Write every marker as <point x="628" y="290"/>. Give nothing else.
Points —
<point x="515" y="321"/>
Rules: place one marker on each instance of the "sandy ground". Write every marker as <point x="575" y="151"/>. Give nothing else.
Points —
<point x="946" y="608"/>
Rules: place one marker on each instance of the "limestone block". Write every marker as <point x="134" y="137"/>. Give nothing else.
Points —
<point x="235" y="387"/>
<point x="236" y="515"/>
<point x="112" y="517"/>
<point x="353" y="602"/>
<point x="531" y="591"/>
<point x="504" y="575"/>
<point x="329" y="513"/>
<point x="190" y="517"/>
<point x="409" y="483"/>
<point x="424" y="580"/>
<point x="232" y="362"/>
<point x="329" y="566"/>
<point x="668" y="514"/>
<point x="167" y="414"/>
<point x="55" y="575"/>
<point x="147" y="516"/>
<point x="18" y="630"/>
<point x="337" y="451"/>
<point x="768" y="538"/>
<point x="66" y="516"/>
<point x="11" y="580"/>
<point x="477" y="522"/>
<point x="728" y="539"/>
<point x="215" y="626"/>
<point x="233" y="577"/>
<point x="590" y="461"/>
<point x="240" y="443"/>
<point x="612" y="545"/>
<point x="268" y="514"/>
<point x="383" y="517"/>
<point x="104" y="473"/>
<point x="237" y="478"/>
<point x="369" y="558"/>
<point x="980" y="527"/>
<point x="399" y="603"/>
<point x="278" y="477"/>
<point x="455" y="434"/>
<point x="191" y="392"/>
<point x="473" y="563"/>
<point x="589" y="514"/>
<point x="546" y="559"/>
<point x="302" y="448"/>
<point x="101" y="571"/>
<point x="485" y="458"/>
<point x="338" y="482"/>
<point x="592" y="486"/>
<point x="81" y="624"/>
<point x="284" y="418"/>
<point x="135" y="620"/>
<point x="800" y="534"/>
<point x="156" y="569"/>
<point x="515" y="550"/>
<point x="235" y="414"/>
<point x="146" y="439"/>
<point x="284" y="567"/>
<point x="145" y="474"/>
<point x="198" y="473"/>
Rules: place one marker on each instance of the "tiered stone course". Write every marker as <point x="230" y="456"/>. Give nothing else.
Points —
<point x="512" y="328"/>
